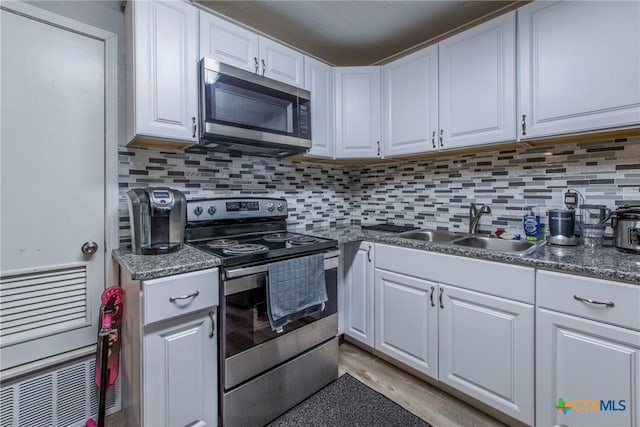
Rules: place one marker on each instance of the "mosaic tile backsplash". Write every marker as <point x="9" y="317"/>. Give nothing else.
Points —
<point x="437" y="193"/>
<point x="317" y="195"/>
<point x="433" y="193"/>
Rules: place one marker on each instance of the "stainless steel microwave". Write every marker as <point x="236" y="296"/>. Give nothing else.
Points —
<point x="248" y="113"/>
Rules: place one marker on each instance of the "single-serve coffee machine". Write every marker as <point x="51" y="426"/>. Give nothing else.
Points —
<point x="157" y="216"/>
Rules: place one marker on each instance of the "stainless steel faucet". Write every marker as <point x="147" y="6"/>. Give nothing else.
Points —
<point x="474" y="216"/>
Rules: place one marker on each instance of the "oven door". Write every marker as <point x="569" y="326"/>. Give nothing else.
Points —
<point x="245" y="106"/>
<point x="249" y="346"/>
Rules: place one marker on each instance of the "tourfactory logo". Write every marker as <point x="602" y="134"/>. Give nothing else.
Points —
<point x="590" y="405"/>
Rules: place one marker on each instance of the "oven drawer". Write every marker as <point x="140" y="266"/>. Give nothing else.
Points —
<point x="178" y="295"/>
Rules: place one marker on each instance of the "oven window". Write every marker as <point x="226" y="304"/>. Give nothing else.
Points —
<point x="246" y="323"/>
<point x="231" y="101"/>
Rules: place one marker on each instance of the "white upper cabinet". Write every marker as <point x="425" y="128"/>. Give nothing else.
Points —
<point x="579" y="64"/>
<point x="411" y="103"/>
<point x="242" y="48"/>
<point x="358" y="116"/>
<point x="477" y="88"/>
<point x="319" y="81"/>
<point x="162" y="86"/>
<point x="281" y="63"/>
<point x="229" y="43"/>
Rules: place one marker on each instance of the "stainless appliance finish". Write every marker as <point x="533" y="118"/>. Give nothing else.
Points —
<point x="270" y="395"/>
<point x="562" y="227"/>
<point x="157" y="217"/>
<point x="264" y="372"/>
<point x="626" y="228"/>
<point x="248" y="113"/>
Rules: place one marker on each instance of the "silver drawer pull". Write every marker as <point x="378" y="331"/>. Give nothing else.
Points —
<point x="590" y="301"/>
<point x="193" y="295"/>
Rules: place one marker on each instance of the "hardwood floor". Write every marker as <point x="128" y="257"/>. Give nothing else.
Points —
<point x="422" y="399"/>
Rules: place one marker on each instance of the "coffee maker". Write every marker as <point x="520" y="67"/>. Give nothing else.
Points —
<point x="157" y="216"/>
<point x="562" y="222"/>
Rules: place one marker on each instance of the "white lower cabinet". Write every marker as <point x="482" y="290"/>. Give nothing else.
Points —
<point x="431" y="316"/>
<point x="406" y="320"/>
<point x="587" y="351"/>
<point x="170" y="350"/>
<point x="180" y="372"/>
<point x="486" y="349"/>
<point x="358" y="291"/>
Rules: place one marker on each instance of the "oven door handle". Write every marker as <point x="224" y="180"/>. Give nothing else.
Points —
<point x="330" y="261"/>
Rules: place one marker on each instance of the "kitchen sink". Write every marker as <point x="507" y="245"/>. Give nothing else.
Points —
<point x="516" y="247"/>
<point x="437" y="236"/>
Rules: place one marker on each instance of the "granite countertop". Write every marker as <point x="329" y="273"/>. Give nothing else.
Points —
<point x="145" y="267"/>
<point x="604" y="262"/>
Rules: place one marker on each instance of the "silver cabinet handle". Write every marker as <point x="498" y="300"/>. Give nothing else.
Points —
<point x="193" y="127"/>
<point x="590" y="301"/>
<point x="369" y="253"/>
<point x="213" y="324"/>
<point x="89" y="248"/>
<point x="440" y="298"/>
<point x="264" y="67"/>
<point x="441" y="132"/>
<point x="433" y="288"/>
<point x="255" y="60"/>
<point x="193" y="295"/>
<point x="433" y="139"/>
<point x="524" y="124"/>
<point x="378" y="142"/>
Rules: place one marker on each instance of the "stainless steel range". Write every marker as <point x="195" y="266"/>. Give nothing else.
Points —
<point x="264" y="372"/>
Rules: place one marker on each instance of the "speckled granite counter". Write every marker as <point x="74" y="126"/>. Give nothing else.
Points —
<point x="145" y="267"/>
<point x="604" y="263"/>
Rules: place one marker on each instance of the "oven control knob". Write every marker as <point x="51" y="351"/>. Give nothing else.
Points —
<point x="270" y="207"/>
<point x="198" y="210"/>
<point x="280" y="206"/>
<point x="211" y="210"/>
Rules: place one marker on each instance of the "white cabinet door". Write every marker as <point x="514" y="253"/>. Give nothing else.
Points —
<point x="406" y="320"/>
<point x="358" y="117"/>
<point x="578" y="360"/>
<point x="411" y="103"/>
<point x="319" y="81"/>
<point x="180" y="372"/>
<point x="164" y="91"/>
<point x="358" y="291"/>
<point x="281" y="63"/>
<point x="477" y="70"/>
<point x="486" y="349"/>
<point x="579" y="64"/>
<point x="229" y="43"/>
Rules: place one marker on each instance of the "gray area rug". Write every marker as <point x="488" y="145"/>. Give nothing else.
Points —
<point x="348" y="402"/>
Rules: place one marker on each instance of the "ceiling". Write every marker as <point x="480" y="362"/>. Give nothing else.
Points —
<point x="358" y="32"/>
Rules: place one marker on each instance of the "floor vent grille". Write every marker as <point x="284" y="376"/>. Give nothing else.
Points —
<point x="62" y="397"/>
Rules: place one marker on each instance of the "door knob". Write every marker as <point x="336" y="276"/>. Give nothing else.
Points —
<point x="89" y="248"/>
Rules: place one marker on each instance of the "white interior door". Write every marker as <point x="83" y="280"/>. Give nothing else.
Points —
<point x="53" y="188"/>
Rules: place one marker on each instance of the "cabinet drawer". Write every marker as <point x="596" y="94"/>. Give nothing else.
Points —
<point x="556" y="291"/>
<point x="162" y="296"/>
